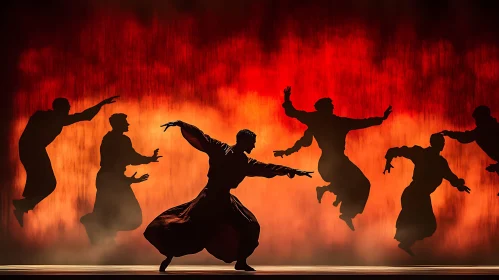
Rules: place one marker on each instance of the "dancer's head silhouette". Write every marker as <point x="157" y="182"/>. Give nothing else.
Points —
<point x="482" y="115"/>
<point x="437" y="142"/>
<point x="245" y="140"/>
<point x="119" y="123"/>
<point x="61" y="106"/>
<point x="324" y="105"/>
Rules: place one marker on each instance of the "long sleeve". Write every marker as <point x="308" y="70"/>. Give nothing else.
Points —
<point x="86" y="115"/>
<point x="291" y="111"/>
<point x="198" y="139"/>
<point x="267" y="170"/>
<point x="304" y="141"/>
<point x="353" y="124"/>
<point x="451" y="177"/>
<point x="404" y="151"/>
<point x="131" y="156"/>
<point x="464" y="137"/>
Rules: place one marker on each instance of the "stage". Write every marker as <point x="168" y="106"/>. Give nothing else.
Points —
<point x="308" y="272"/>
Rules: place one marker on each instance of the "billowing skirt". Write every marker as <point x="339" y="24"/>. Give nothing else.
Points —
<point x="116" y="208"/>
<point x="416" y="220"/>
<point x="217" y="222"/>
<point x="347" y="182"/>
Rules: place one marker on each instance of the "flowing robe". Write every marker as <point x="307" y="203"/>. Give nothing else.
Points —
<point x="116" y="208"/>
<point x="416" y="220"/>
<point x="215" y="220"/>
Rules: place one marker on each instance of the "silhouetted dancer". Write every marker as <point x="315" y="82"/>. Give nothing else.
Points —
<point x="116" y="208"/>
<point x="485" y="134"/>
<point x="215" y="220"/>
<point x="305" y="141"/>
<point x="346" y="180"/>
<point x="416" y="220"/>
<point x="42" y="128"/>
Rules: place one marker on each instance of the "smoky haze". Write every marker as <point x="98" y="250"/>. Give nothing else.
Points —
<point x="222" y="65"/>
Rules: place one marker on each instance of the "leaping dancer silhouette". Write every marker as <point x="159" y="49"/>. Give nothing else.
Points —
<point x="416" y="220"/>
<point x="42" y="128"/>
<point x="345" y="179"/>
<point x="485" y="134"/>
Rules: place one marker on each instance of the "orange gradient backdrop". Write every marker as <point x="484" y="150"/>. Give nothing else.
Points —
<point x="162" y="74"/>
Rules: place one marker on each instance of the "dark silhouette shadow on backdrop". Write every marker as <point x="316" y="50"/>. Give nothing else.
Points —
<point x="42" y="128"/>
<point x="485" y="134"/>
<point x="346" y="180"/>
<point x="416" y="220"/>
<point x="116" y="208"/>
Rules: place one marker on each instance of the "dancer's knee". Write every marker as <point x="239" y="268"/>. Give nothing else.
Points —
<point x="255" y="228"/>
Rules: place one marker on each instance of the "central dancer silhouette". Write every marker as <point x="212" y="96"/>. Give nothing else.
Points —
<point x="346" y="180"/>
<point x="215" y="220"/>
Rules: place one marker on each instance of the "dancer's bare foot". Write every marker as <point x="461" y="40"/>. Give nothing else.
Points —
<point x="407" y="249"/>
<point x="348" y="221"/>
<point x="164" y="264"/>
<point x="320" y="192"/>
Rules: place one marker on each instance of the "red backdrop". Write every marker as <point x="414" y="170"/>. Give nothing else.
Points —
<point x="168" y="68"/>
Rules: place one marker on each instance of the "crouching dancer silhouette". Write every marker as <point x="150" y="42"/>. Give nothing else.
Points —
<point x="345" y="179"/>
<point x="42" y="128"/>
<point x="215" y="220"/>
<point x="416" y="220"/>
<point x="116" y="208"/>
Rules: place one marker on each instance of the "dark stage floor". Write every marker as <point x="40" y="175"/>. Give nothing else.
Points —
<point x="266" y="271"/>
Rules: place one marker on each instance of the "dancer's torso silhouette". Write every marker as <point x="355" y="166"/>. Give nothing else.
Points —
<point x="117" y="152"/>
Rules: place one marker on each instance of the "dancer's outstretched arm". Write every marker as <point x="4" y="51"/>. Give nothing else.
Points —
<point x="291" y="111"/>
<point x="134" y="158"/>
<point x="353" y="124"/>
<point x="304" y="141"/>
<point x="455" y="181"/>
<point x="404" y="151"/>
<point x="196" y="137"/>
<point x="464" y="137"/>
<point x="89" y="113"/>
<point x="268" y="170"/>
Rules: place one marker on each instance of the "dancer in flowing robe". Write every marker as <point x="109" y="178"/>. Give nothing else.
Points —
<point x="215" y="220"/>
<point x="416" y="220"/>
<point x="116" y="207"/>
